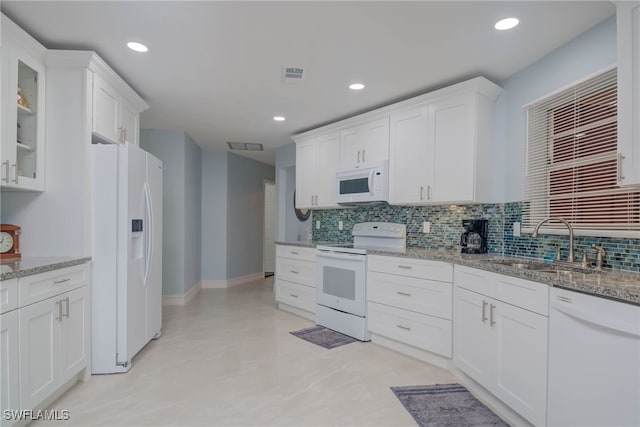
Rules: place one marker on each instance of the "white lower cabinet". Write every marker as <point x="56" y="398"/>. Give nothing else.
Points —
<point x="9" y="363"/>
<point x="409" y="301"/>
<point x="46" y="339"/>
<point x="500" y="345"/>
<point x="295" y="280"/>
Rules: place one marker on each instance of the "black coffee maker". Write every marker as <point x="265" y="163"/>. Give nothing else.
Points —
<point x="474" y="238"/>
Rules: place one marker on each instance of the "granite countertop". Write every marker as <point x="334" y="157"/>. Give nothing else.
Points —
<point x="34" y="265"/>
<point x="613" y="284"/>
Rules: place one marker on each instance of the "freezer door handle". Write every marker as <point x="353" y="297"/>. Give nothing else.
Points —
<point x="149" y="233"/>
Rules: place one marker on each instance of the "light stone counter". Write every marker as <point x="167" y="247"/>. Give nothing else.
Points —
<point x="34" y="265"/>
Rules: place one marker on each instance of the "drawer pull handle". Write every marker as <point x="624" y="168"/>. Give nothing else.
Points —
<point x="57" y="282"/>
<point x="406" y="328"/>
<point x="406" y="267"/>
<point x="294" y="272"/>
<point x="293" y="295"/>
<point x="484" y="308"/>
<point x="66" y="300"/>
<point x="404" y="294"/>
<point x="294" y="253"/>
<point x="491" y="308"/>
<point x="59" y="304"/>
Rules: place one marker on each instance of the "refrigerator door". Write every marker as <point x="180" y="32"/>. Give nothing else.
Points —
<point x="132" y="290"/>
<point x="154" y="257"/>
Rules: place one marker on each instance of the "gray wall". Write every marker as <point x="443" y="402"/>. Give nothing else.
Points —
<point x="245" y="214"/>
<point x="181" y="249"/>
<point x="588" y="53"/>
<point x="214" y="215"/>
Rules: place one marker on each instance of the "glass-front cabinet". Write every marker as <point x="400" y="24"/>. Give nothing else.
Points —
<point x="23" y="121"/>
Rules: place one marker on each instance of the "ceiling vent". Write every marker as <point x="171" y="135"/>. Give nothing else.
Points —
<point x="292" y="74"/>
<point x="245" y="146"/>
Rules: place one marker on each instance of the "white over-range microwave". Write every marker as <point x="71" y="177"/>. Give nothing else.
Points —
<point x="365" y="184"/>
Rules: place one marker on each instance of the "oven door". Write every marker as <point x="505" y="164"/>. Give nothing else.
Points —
<point x="341" y="281"/>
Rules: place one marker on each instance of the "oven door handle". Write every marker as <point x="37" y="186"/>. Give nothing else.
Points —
<point x="342" y="256"/>
<point x="371" y="181"/>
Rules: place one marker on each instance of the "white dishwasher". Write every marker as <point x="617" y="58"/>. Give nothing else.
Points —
<point x="594" y="361"/>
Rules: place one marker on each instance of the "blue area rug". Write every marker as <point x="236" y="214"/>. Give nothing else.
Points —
<point x="445" y="405"/>
<point x="323" y="337"/>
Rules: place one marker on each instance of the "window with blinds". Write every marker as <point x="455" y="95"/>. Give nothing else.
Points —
<point x="572" y="161"/>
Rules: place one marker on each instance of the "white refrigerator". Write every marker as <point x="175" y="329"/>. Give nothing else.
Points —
<point x="127" y="254"/>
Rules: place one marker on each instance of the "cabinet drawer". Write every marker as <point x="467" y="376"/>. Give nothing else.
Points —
<point x="293" y="270"/>
<point x="408" y="293"/>
<point x="410" y="267"/>
<point x="8" y="295"/>
<point x="296" y="252"/>
<point x="425" y="332"/>
<point x="522" y="293"/>
<point x="296" y="295"/>
<point x="473" y="279"/>
<point x="45" y="285"/>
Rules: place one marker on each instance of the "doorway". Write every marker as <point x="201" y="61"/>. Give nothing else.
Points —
<point x="269" y="247"/>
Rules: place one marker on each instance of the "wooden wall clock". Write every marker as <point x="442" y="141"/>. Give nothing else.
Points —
<point x="9" y="241"/>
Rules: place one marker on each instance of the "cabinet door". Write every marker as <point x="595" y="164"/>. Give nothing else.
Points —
<point x="451" y="132"/>
<point x="23" y="149"/>
<point x="106" y="111"/>
<point x="327" y="155"/>
<point x="9" y="363"/>
<point x="130" y="122"/>
<point x="350" y="151"/>
<point x="306" y="174"/>
<point x="473" y="352"/>
<point x="410" y="157"/>
<point x="628" y="27"/>
<point x="520" y="343"/>
<point x="373" y="140"/>
<point x="39" y="347"/>
<point x="74" y="333"/>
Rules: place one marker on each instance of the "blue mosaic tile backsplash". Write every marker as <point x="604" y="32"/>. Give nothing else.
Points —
<point x="446" y="227"/>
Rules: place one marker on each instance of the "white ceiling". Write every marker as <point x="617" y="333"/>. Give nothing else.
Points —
<point x="214" y="68"/>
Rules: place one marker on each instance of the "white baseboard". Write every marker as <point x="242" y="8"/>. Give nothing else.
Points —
<point x="184" y="298"/>
<point x="227" y="283"/>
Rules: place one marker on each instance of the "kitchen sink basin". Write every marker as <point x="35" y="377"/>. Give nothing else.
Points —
<point x="542" y="267"/>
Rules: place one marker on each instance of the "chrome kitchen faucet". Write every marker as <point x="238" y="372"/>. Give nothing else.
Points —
<point x="565" y="222"/>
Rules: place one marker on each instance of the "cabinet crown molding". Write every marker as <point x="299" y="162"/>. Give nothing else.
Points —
<point x="12" y="33"/>
<point x="92" y="61"/>
<point x="479" y="85"/>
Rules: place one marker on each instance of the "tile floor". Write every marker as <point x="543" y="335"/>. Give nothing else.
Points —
<point x="227" y="358"/>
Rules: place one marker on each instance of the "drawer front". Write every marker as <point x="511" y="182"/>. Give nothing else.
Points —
<point x="296" y="252"/>
<point x="418" y="330"/>
<point x="410" y="267"/>
<point x="532" y="296"/>
<point x="292" y="270"/>
<point x="473" y="279"/>
<point x="296" y="295"/>
<point x="8" y="295"/>
<point x="45" y="285"/>
<point x="408" y="293"/>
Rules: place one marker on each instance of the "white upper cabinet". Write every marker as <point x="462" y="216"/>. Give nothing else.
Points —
<point x="316" y="163"/>
<point x="23" y="110"/>
<point x="628" y="22"/>
<point x="410" y="157"/>
<point x="364" y="143"/>
<point x="114" y="119"/>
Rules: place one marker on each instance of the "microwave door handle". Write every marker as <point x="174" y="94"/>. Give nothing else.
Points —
<point x="371" y="181"/>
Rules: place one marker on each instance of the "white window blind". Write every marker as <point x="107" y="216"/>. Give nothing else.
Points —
<point x="572" y="161"/>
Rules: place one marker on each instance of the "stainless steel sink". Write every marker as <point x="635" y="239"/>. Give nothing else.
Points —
<point x="542" y="267"/>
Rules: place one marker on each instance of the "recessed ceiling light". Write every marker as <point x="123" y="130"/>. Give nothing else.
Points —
<point x="138" y="47"/>
<point x="506" y="24"/>
<point x="279" y="119"/>
<point x="356" y="86"/>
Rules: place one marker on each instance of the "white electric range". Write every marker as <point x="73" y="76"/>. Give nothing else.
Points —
<point x="342" y="276"/>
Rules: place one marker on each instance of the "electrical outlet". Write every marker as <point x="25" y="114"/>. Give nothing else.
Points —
<point x="516" y="229"/>
<point x="340" y="226"/>
<point x="318" y="225"/>
<point x="426" y="227"/>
